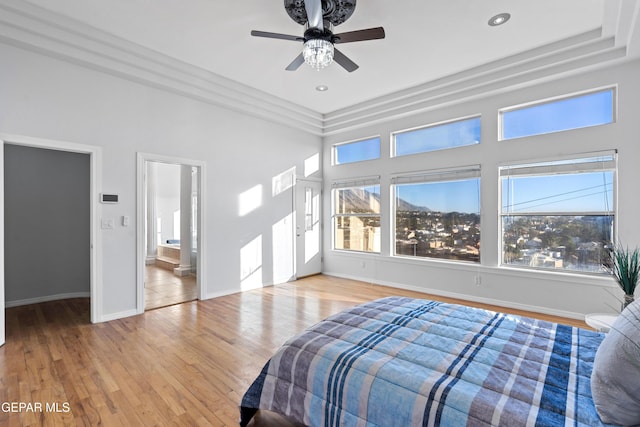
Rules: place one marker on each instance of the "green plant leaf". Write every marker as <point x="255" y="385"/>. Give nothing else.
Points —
<point x="625" y="266"/>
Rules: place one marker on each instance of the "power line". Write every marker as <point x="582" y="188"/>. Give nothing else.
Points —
<point x="563" y="200"/>
<point x="606" y="190"/>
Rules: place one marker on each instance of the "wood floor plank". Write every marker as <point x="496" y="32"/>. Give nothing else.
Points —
<point x="163" y="288"/>
<point x="186" y="364"/>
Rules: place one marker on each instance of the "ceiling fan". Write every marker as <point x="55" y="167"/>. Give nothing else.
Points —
<point x="319" y="17"/>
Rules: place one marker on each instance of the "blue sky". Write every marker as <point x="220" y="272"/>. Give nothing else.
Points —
<point x="452" y="196"/>
<point x="368" y="149"/>
<point x="591" y="109"/>
<point x="448" y="135"/>
<point x="585" y="192"/>
<point x="587" y="110"/>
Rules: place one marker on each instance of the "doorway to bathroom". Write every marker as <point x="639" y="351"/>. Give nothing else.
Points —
<point x="169" y="243"/>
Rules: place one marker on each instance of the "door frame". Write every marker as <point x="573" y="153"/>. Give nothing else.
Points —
<point x="95" y="177"/>
<point x="142" y="159"/>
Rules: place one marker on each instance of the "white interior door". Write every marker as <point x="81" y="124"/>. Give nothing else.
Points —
<point x="308" y="228"/>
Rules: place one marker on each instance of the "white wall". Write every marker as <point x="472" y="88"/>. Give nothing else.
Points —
<point x="565" y="294"/>
<point x="167" y="199"/>
<point x="48" y="98"/>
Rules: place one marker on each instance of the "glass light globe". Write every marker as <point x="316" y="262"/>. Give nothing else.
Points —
<point x="318" y="53"/>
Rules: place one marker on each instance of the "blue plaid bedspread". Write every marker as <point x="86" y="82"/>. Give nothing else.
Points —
<point x="407" y="362"/>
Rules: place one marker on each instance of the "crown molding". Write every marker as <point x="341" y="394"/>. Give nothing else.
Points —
<point x="474" y="83"/>
<point x="393" y="111"/>
<point x="618" y="39"/>
<point x="30" y="27"/>
<point x="522" y="70"/>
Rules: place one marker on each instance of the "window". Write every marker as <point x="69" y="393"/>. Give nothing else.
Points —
<point x="438" y="215"/>
<point x="558" y="215"/>
<point x="356" y="215"/>
<point x="437" y="137"/>
<point x="357" y="151"/>
<point x="592" y="109"/>
<point x="309" y="217"/>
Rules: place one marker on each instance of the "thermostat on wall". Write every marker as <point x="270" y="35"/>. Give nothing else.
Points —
<point x="108" y="198"/>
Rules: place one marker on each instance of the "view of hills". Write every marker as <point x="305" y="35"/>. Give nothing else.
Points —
<point x="420" y="231"/>
<point x="360" y="201"/>
<point x="555" y="242"/>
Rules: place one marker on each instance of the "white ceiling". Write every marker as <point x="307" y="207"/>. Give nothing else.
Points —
<point x="425" y="39"/>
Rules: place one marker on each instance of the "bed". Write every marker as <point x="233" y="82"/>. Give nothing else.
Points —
<point x="408" y="362"/>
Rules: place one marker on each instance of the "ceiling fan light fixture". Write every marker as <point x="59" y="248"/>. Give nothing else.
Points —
<point x="318" y="53"/>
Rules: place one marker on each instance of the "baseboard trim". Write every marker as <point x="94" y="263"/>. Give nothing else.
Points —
<point x="119" y="315"/>
<point x="183" y="270"/>
<point x="222" y="293"/>
<point x="225" y="292"/>
<point x="47" y="298"/>
<point x="438" y="292"/>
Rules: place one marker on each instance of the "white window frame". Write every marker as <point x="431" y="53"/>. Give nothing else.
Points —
<point x="557" y="165"/>
<point x="432" y="176"/>
<point x="433" y="125"/>
<point x="334" y="150"/>
<point x="502" y="111"/>
<point x="353" y="183"/>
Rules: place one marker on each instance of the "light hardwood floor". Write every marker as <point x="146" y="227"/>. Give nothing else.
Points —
<point x="185" y="364"/>
<point x="163" y="288"/>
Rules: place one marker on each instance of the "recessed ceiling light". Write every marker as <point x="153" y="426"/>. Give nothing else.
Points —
<point x="322" y="88"/>
<point x="499" y="19"/>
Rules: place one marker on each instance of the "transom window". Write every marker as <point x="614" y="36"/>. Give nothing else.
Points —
<point x="439" y="136"/>
<point x="356" y="215"/>
<point x="357" y="151"/>
<point x="558" y="215"/>
<point x="573" y="112"/>
<point x="437" y="214"/>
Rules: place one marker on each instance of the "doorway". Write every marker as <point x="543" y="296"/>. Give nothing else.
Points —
<point x="170" y="245"/>
<point x="90" y="243"/>
<point x="308" y="227"/>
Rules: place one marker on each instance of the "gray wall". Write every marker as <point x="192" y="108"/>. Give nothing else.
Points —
<point x="46" y="224"/>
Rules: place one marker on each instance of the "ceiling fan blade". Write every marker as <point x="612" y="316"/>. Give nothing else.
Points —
<point x="344" y="62"/>
<point x="314" y="13"/>
<point x="296" y="63"/>
<point x="276" y="36"/>
<point x="359" y="35"/>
